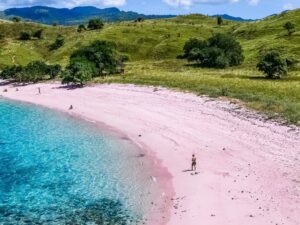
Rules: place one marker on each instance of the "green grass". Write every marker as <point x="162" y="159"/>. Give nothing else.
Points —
<point x="152" y="47"/>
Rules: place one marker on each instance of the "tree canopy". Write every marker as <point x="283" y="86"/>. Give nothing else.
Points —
<point x="95" y="24"/>
<point x="273" y="64"/>
<point x="97" y="59"/>
<point x="219" y="51"/>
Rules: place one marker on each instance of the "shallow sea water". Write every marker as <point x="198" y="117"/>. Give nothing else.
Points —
<point x="55" y="169"/>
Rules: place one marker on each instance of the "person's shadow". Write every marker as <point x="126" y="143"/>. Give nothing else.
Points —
<point x="184" y="171"/>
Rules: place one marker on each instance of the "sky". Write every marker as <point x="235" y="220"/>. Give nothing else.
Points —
<point x="254" y="9"/>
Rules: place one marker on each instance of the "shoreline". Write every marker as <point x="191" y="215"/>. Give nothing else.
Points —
<point x="239" y="158"/>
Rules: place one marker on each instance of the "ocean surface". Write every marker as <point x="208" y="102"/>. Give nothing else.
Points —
<point x="55" y="169"/>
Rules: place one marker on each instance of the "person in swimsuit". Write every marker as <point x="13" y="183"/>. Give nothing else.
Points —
<point x="194" y="163"/>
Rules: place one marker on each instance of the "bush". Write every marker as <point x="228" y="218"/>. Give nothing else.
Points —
<point x="95" y="24"/>
<point x="97" y="59"/>
<point x="33" y="72"/>
<point x="81" y="28"/>
<point x="38" y="34"/>
<point x="273" y="64"/>
<point x="16" y="19"/>
<point x="219" y="51"/>
<point x="24" y="36"/>
<point x="219" y="20"/>
<point x="290" y="27"/>
<point x="59" y="42"/>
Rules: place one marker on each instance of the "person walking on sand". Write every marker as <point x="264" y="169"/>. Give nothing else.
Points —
<point x="194" y="163"/>
<point x="39" y="90"/>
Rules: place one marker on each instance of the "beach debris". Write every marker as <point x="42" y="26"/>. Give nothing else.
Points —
<point x="71" y="107"/>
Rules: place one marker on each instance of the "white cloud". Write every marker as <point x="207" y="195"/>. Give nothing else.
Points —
<point x="253" y="2"/>
<point x="60" y="3"/>
<point x="288" y="6"/>
<point x="188" y="3"/>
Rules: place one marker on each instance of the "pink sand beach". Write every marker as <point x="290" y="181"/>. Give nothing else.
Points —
<point x="248" y="168"/>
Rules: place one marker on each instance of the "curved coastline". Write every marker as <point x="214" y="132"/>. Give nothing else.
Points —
<point x="240" y="155"/>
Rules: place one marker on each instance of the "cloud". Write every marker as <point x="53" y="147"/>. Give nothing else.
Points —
<point x="288" y="6"/>
<point x="188" y="3"/>
<point x="60" y="3"/>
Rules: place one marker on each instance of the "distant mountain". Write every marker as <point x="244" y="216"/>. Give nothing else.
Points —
<point x="64" y="16"/>
<point x="228" y="17"/>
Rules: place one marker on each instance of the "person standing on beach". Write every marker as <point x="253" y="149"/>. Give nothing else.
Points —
<point x="39" y="90"/>
<point x="194" y="163"/>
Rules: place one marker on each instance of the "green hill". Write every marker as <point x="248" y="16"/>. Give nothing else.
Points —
<point x="152" y="47"/>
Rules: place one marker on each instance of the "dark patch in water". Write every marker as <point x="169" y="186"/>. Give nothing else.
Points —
<point x="102" y="212"/>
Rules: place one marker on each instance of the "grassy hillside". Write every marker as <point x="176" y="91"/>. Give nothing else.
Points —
<point x="153" y="45"/>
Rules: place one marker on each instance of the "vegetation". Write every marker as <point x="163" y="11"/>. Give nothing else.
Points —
<point x="95" y="24"/>
<point x="59" y="42"/>
<point x="81" y="28"/>
<point x="38" y="34"/>
<point x="16" y="19"/>
<point x="25" y="36"/>
<point x="219" y="20"/>
<point x="273" y="65"/>
<point x="290" y="27"/>
<point x="152" y="46"/>
<point x="219" y="51"/>
<point x="97" y="59"/>
<point x="33" y="72"/>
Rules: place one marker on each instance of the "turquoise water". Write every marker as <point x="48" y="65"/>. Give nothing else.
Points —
<point x="58" y="170"/>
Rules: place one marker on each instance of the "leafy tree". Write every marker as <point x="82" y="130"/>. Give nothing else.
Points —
<point x="95" y="24"/>
<point x="219" y="51"/>
<point x="290" y="27"/>
<point x="59" y="42"/>
<point x="140" y="19"/>
<point x="81" y="28"/>
<point x="16" y="19"/>
<point x="53" y="70"/>
<point x="219" y="20"/>
<point x="38" y="34"/>
<point x="24" y="36"/>
<point x="32" y="72"/>
<point x="94" y="60"/>
<point x="273" y="64"/>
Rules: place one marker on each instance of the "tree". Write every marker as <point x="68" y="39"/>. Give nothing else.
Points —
<point x="219" y="20"/>
<point x="59" y="42"/>
<point x="95" y="24"/>
<point x="273" y="64"/>
<point x="81" y="28"/>
<point x="290" y="27"/>
<point x="16" y="19"/>
<point x="99" y="58"/>
<point x="24" y="36"/>
<point x="140" y="19"/>
<point x="219" y="51"/>
<point x="53" y="70"/>
<point x="38" y="34"/>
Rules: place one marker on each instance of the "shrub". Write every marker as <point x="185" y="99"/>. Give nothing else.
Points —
<point x="219" y="51"/>
<point x="16" y="19"/>
<point x="59" y="42"/>
<point x="219" y="20"/>
<point x="273" y="64"/>
<point x="38" y="34"/>
<point x="24" y="36"/>
<point x="290" y="27"/>
<point x="32" y="72"/>
<point x="81" y="28"/>
<point x="140" y="19"/>
<point x="95" y="24"/>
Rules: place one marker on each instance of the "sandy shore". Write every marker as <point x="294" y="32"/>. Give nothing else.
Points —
<point x="248" y="168"/>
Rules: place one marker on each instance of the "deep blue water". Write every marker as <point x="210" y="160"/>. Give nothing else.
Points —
<point x="55" y="169"/>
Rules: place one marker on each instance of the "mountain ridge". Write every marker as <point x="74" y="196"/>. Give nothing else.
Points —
<point x="77" y="15"/>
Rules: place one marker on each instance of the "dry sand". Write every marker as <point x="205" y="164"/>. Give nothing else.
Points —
<point x="248" y="168"/>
